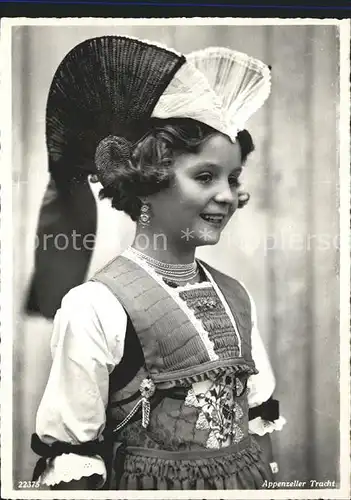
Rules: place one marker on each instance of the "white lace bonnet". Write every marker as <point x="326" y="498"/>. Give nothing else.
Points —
<point x="217" y="86"/>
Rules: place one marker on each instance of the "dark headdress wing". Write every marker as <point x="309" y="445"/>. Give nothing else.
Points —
<point x="105" y="85"/>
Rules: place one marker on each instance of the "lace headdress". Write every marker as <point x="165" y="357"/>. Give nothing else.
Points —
<point x="241" y="82"/>
<point x="114" y="85"/>
<point x="236" y="86"/>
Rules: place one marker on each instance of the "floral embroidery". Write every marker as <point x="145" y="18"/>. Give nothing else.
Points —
<point x="219" y="411"/>
<point x="240" y="388"/>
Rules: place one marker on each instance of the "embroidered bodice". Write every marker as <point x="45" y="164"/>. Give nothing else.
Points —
<point x="210" y="361"/>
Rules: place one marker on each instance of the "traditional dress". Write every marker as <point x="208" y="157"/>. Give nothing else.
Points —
<point x="164" y="376"/>
<point x="151" y="385"/>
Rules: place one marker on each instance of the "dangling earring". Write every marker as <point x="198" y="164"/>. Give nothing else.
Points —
<point x="144" y="217"/>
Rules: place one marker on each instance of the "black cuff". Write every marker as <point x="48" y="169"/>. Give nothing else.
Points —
<point x="269" y="410"/>
<point x="58" y="448"/>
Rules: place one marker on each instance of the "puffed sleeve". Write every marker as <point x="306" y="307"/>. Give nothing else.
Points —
<point x="262" y="385"/>
<point x="87" y="343"/>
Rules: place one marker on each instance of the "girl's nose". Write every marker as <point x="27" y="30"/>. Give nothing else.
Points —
<point x="226" y="194"/>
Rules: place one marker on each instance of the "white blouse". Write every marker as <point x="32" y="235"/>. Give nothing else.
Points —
<point x="86" y="345"/>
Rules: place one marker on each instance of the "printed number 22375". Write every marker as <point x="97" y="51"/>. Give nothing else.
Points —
<point x="28" y="484"/>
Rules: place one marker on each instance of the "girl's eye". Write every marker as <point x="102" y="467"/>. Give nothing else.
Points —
<point x="205" y="177"/>
<point x="234" y="181"/>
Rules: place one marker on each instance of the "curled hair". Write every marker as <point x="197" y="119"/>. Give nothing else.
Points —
<point x="130" y="172"/>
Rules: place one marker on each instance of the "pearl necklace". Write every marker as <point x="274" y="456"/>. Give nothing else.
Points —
<point x="173" y="272"/>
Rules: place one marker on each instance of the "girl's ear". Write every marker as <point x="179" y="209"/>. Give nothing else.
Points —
<point x="243" y="198"/>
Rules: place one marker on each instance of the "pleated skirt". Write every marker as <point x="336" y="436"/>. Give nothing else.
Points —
<point x="236" y="467"/>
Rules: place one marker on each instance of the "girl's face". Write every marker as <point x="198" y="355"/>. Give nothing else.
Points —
<point x="202" y="197"/>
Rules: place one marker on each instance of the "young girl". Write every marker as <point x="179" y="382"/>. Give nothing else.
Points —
<point x="160" y="379"/>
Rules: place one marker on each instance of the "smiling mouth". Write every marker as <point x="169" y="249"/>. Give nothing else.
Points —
<point x="215" y="220"/>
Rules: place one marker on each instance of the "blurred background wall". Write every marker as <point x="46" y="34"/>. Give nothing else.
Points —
<point x="283" y="245"/>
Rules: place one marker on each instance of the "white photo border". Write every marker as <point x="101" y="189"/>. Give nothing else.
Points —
<point x="7" y="319"/>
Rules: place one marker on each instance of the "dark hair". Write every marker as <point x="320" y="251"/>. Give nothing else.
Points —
<point x="130" y="172"/>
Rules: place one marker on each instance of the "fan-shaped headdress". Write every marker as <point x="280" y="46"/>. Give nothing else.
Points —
<point x="114" y="85"/>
